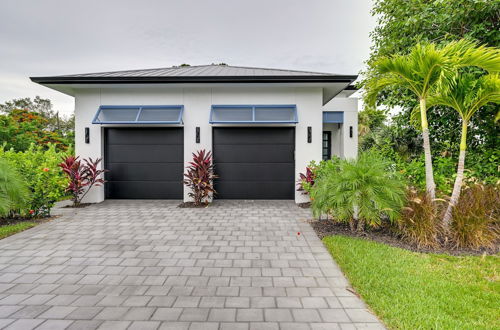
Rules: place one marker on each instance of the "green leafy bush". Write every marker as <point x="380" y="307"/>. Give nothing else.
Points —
<point x="13" y="191"/>
<point x="315" y="171"/>
<point x="359" y="191"/>
<point x="482" y="167"/>
<point x="38" y="168"/>
<point x="476" y="217"/>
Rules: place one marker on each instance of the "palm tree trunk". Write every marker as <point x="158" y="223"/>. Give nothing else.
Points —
<point x="458" y="180"/>
<point x="355" y="221"/>
<point x="429" y="175"/>
<point x="361" y="226"/>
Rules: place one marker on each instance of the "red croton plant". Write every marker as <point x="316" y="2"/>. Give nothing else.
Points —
<point x="82" y="175"/>
<point x="306" y="181"/>
<point x="200" y="177"/>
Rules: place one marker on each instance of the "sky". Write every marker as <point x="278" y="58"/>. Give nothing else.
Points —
<point x="53" y="37"/>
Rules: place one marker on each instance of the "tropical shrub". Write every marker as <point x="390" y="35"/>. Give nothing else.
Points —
<point x="476" y="217"/>
<point x="359" y="191"/>
<point x="13" y="191"/>
<point x="82" y="176"/>
<point x="419" y="223"/>
<point x="314" y="171"/>
<point x="414" y="171"/>
<point x="37" y="167"/>
<point x="306" y="180"/>
<point x="200" y="177"/>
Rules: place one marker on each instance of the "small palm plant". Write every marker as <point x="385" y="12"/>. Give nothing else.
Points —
<point x="422" y="70"/>
<point x="13" y="191"/>
<point x="359" y="191"/>
<point x="466" y="94"/>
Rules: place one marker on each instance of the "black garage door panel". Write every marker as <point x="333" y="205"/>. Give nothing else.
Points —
<point x="254" y="162"/>
<point x="256" y="172"/>
<point x="144" y="163"/>
<point x="250" y="135"/>
<point x="137" y="190"/>
<point x="255" y="190"/>
<point x="134" y="153"/>
<point x="154" y="135"/>
<point x="246" y="153"/>
<point x="141" y="172"/>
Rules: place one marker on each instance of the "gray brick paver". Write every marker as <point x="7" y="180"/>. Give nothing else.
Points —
<point x="151" y="265"/>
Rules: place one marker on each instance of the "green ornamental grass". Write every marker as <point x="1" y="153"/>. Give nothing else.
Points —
<point x="410" y="290"/>
<point x="13" y="191"/>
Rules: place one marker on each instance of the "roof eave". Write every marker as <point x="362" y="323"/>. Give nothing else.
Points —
<point x="194" y="79"/>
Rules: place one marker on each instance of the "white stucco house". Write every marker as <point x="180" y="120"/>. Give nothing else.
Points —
<point x="263" y="126"/>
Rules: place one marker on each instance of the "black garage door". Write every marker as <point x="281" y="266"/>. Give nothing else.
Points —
<point x="144" y="163"/>
<point x="254" y="162"/>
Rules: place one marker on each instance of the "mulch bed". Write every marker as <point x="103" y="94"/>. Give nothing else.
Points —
<point x="191" y="205"/>
<point x="306" y="205"/>
<point x="79" y="206"/>
<point x="384" y="235"/>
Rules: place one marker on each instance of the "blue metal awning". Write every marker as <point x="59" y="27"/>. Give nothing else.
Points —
<point x="254" y="114"/>
<point x="335" y="117"/>
<point x="139" y="114"/>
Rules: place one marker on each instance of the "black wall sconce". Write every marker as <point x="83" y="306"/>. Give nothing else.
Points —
<point x="197" y="135"/>
<point x="87" y="135"/>
<point x="350" y="131"/>
<point x="309" y="134"/>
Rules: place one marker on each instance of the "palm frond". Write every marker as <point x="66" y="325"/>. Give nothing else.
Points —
<point x="469" y="53"/>
<point x="375" y="86"/>
<point x="365" y="183"/>
<point x="13" y="191"/>
<point x="466" y="93"/>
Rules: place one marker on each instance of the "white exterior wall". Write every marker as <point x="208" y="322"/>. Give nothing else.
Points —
<point x="342" y="144"/>
<point x="197" y="102"/>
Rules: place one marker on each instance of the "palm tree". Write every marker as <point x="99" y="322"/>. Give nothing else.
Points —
<point x="421" y="71"/>
<point x="466" y="94"/>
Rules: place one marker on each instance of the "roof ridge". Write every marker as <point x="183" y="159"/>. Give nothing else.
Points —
<point x="195" y="66"/>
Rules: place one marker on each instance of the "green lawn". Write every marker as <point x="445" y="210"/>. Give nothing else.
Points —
<point x="409" y="290"/>
<point x="7" y="230"/>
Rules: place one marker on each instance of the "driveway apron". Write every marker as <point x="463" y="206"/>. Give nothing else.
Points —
<point x="130" y="264"/>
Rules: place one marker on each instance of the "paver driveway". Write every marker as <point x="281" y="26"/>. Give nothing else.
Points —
<point x="148" y="265"/>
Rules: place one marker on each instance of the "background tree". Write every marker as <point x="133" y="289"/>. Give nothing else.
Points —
<point x="400" y="25"/>
<point x="25" y="121"/>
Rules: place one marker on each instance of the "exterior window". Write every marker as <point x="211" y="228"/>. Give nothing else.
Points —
<point x="333" y="117"/>
<point x="139" y="114"/>
<point x="253" y="114"/>
<point x="327" y="145"/>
